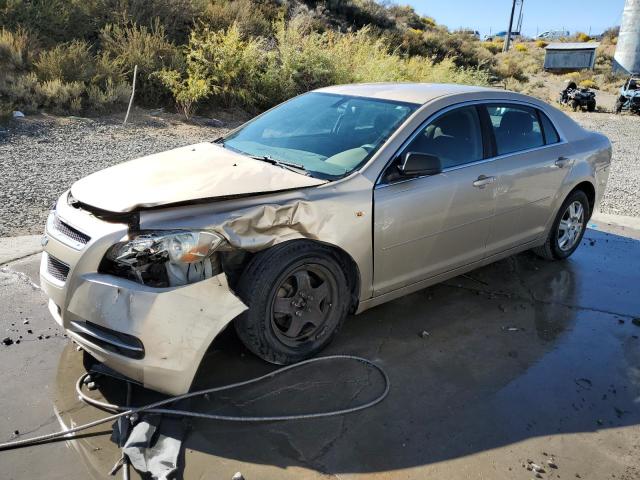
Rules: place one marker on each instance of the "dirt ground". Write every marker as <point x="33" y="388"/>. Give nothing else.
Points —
<point x="524" y="360"/>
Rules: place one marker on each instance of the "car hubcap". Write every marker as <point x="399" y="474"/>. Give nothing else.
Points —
<point x="302" y="304"/>
<point x="570" y="227"/>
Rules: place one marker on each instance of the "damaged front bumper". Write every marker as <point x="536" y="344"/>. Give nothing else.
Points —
<point x="155" y="336"/>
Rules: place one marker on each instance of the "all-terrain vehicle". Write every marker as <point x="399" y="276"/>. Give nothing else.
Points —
<point x="629" y="98"/>
<point x="576" y="98"/>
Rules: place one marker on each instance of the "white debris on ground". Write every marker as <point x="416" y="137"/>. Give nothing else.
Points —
<point x="41" y="156"/>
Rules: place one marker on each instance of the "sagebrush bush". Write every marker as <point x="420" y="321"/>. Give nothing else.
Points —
<point x="251" y="18"/>
<point x="15" y="53"/>
<point x="69" y="62"/>
<point x="59" y="96"/>
<point x="17" y="86"/>
<point x="520" y="47"/>
<point x="541" y="44"/>
<point x="123" y="47"/>
<point x="102" y="99"/>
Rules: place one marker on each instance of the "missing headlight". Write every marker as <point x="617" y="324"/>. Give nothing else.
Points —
<point x="165" y="259"/>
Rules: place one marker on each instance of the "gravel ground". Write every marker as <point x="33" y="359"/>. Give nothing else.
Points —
<point x="622" y="196"/>
<point x="42" y="156"/>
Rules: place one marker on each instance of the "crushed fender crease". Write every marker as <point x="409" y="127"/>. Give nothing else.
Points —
<point x="263" y="226"/>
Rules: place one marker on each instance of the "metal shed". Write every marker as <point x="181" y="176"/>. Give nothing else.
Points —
<point x="570" y="56"/>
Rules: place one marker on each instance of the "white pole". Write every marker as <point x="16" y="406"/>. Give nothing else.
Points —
<point x="133" y="92"/>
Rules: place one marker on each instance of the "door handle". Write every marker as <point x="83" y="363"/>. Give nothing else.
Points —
<point x="562" y="162"/>
<point x="483" y="181"/>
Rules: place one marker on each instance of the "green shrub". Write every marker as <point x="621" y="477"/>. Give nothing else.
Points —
<point x="123" y="47"/>
<point x="69" y="62"/>
<point x="187" y="92"/>
<point x="218" y="64"/>
<point x="520" y="47"/>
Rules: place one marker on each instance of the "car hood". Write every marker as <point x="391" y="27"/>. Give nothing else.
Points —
<point x="205" y="171"/>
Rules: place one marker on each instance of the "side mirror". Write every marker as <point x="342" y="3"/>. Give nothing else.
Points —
<point x="419" y="164"/>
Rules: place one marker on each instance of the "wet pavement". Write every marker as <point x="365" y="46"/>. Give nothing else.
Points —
<point x="521" y="361"/>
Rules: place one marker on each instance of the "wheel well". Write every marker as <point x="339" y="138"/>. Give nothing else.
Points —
<point x="590" y="191"/>
<point x="235" y="263"/>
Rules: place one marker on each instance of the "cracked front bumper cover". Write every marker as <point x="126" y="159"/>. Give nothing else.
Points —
<point x="168" y="329"/>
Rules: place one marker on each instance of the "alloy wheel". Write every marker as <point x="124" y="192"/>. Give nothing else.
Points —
<point x="570" y="226"/>
<point x="302" y="304"/>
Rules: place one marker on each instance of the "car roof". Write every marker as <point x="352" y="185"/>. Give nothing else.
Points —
<point x="419" y="93"/>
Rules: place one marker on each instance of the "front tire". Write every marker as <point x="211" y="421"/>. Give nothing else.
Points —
<point x="298" y="297"/>
<point x="568" y="228"/>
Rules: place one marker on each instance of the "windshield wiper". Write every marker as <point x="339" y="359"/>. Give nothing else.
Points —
<point x="294" y="167"/>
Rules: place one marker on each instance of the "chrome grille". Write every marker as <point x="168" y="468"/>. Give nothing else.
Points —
<point x="57" y="269"/>
<point x="70" y="232"/>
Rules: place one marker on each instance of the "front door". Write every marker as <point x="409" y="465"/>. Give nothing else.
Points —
<point x="430" y="225"/>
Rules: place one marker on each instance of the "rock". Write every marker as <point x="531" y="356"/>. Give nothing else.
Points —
<point x="424" y="334"/>
<point x="7" y="341"/>
<point x="511" y="329"/>
<point x="552" y="464"/>
<point x="26" y="322"/>
<point x="537" y="468"/>
<point x="29" y="331"/>
<point x="17" y="114"/>
<point x="237" y="476"/>
<point x="16" y="432"/>
<point x="636" y="321"/>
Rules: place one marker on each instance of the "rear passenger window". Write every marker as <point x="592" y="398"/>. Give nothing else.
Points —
<point x="516" y="128"/>
<point x="454" y="137"/>
<point x="550" y="132"/>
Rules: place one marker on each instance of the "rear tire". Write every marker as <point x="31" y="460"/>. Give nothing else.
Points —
<point x="591" y="106"/>
<point x="298" y="297"/>
<point x="574" y="105"/>
<point x="567" y="231"/>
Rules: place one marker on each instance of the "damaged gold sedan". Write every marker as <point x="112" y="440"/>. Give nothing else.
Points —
<point x="329" y="204"/>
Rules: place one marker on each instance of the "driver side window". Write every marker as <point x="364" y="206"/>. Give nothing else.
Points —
<point x="455" y="138"/>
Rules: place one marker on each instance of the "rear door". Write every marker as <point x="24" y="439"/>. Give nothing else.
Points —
<point x="532" y="162"/>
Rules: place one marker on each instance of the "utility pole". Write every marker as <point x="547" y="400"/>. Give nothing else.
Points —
<point x="507" y="41"/>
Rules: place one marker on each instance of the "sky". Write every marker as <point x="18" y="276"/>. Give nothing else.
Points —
<point x="538" y="15"/>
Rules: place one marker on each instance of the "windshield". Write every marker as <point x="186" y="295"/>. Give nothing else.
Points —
<point x="329" y="135"/>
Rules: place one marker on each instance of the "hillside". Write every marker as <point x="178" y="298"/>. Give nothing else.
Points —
<point x="78" y="56"/>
